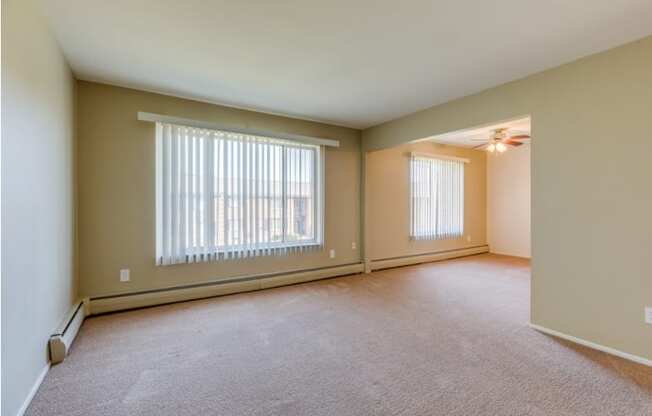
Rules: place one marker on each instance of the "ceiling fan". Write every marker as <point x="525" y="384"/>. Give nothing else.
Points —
<point x="500" y="138"/>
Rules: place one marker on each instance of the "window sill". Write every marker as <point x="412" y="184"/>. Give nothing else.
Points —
<point x="434" y="238"/>
<point x="241" y="252"/>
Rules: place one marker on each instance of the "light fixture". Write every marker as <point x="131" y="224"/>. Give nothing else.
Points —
<point x="491" y="147"/>
<point x="500" y="146"/>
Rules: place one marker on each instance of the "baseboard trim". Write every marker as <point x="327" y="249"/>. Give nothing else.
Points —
<point x="427" y="257"/>
<point x="593" y="345"/>
<point x="32" y="392"/>
<point x="120" y="302"/>
<point x="510" y="255"/>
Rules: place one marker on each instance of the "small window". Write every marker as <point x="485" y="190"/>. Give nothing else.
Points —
<point x="436" y="198"/>
<point x="224" y="195"/>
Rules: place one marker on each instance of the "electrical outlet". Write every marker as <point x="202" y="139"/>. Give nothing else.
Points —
<point x="332" y="254"/>
<point x="648" y="314"/>
<point x="124" y="275"/>
<point x="353" y="246"/>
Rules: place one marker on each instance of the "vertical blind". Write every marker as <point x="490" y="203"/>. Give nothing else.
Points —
<point x="223" y="195"/>
<point x="436" y="198"/>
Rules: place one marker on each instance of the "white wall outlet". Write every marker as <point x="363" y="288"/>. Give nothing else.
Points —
<point x="648" y="314"/>
<point x="332" y="254"/>
<point x="353" y="245"/>
<point x="124" y="275"/>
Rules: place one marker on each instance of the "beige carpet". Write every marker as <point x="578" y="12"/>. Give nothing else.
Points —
<point x="447" y="338"/>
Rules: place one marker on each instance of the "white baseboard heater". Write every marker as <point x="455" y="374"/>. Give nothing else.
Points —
<point x="112" y="303"/>
<point x="427" y="257"/>
<point x="65" y="334"/>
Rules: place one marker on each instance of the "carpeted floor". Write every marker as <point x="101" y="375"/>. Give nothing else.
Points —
<point x="446" y="338"/>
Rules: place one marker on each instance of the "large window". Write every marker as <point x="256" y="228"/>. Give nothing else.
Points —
<point x="224" y="195"/>
<point x="436" y="198"/>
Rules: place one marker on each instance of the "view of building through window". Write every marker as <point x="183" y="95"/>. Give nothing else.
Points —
<point x="264" y="204"/>
<point x="227" y="192"/>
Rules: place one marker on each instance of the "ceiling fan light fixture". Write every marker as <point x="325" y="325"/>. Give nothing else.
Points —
<point x="491" y="147"/>
<point x="501" y="147"/>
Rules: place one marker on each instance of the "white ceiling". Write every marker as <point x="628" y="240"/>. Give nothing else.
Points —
<point x="354" y="63"/>
<point x="479" y="135"/>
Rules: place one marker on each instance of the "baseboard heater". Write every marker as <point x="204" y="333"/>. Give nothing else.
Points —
<point x="427" y="257"/>
<point x="112" y="303"/>
<point x="65" y="334"/>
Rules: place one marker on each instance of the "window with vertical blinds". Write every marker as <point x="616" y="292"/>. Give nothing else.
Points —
<point x="223" y="195"/>
<point x="436" y="198"/>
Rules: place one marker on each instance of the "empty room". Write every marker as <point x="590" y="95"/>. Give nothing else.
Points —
<point x="326" y="208"/>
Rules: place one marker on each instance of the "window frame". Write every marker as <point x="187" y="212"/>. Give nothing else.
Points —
<point x="436" y="234"/>
<point x="223" y="251"/>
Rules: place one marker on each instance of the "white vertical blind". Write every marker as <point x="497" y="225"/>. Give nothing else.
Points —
<point x="436" y="198"/>
<point x="222" y="195"/>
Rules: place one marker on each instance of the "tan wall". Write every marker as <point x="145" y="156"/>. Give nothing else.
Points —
<point x="508" y="202"/>
<point x="116" y="191"/>
<point x="388" y="199"/>
<point x="591" y="199"/>
<point x="38" y="273"/>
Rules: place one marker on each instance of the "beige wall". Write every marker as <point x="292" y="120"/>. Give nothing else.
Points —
<point x="116" y="191"/>
<point x="38" y="283"/>
<point x="591" y="204"/>
<point x="388" y="201"/>
<point x="508" y="201"/>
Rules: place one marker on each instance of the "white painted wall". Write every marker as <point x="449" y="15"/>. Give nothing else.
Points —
<point x="508" y="201"/>
<point x="38" y="216"/>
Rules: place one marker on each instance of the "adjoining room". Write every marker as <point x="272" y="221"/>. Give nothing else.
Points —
<point x="334" y="208"/>
<point x="507" y="146"/>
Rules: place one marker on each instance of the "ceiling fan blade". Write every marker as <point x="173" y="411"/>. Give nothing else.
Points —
<point x="480" y="145"/>
<point x="479" y="139"/>
<point x="519" y="137"/>
<point x="512" y="142"/>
